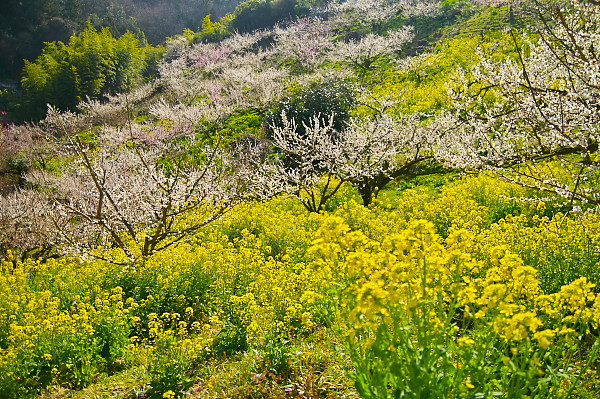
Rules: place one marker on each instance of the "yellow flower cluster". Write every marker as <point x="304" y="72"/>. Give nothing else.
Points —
<point x="424" y="271"/>
<point x="414" y="276"/>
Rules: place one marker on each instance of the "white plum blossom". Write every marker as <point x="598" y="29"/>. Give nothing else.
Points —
<point x="374" y="12"/>
<point x="114" y="109"/>
<point x="310" y="160"/>
<point x="542" y="105"/>
<point x="368" y="153"/>
<point x="124" y="197"/>
<point x="233" y="73"/>
<point x="29" y="226"/>
<point x="380" y="149"/>
<point x="365" y="52"/>
<point x="245" y="86"/>
<point x="306" y="40"/>
<point x="188" y="114"/>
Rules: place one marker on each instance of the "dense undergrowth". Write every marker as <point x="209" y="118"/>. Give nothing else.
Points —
<point x="447" y="289"/>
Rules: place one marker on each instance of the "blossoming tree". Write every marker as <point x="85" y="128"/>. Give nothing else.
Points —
<point x="538" y="107"/>
<point x="314" y="162"/>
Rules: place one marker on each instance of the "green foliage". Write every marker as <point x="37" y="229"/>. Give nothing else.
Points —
<point x="276" y="357"/>
<point x="154" y="55"/>
<point x="214" y="31"/>
<point x="489" y="19"/>
<point x="238" y="125"/>
<point x="171" y="360"/>
<point x="323" y="97"/>
<point x="259" y="14"/>
<point x="231" y="339"/>
<point x="428" y="29"/>
<point x="93" y="64"/>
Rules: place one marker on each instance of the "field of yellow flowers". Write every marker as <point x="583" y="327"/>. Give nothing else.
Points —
<point x="464" y="287"/>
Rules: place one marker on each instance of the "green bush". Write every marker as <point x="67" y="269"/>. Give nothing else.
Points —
<point x="323" y="97"/>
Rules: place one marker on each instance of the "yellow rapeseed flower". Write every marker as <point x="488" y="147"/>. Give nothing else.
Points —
<point x="169" y="394"/>
<point x="544" y="337"/>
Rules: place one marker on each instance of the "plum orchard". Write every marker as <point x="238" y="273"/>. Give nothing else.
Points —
<point x="192" y="270"/>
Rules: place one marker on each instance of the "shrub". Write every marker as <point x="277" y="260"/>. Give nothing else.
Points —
<point x="322" y="98"/>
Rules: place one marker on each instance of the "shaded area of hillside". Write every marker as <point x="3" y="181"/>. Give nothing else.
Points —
<point x="26" y="25"/>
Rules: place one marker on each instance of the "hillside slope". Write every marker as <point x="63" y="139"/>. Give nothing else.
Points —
<point x="380" y="199"/>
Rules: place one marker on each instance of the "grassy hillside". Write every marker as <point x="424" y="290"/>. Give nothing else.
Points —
<point x="379" y="199"/>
